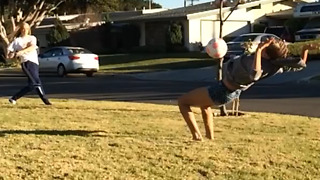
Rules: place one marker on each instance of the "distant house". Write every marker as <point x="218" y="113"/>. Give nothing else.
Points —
<point x="71" y="22"/>
<point x="201" y="22"/>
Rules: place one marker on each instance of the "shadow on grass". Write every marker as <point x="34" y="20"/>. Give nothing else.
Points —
<point x="53" y="132"/>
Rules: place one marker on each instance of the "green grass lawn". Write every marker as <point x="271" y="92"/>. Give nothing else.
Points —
<point x="75" y="139"/>
<point x="130" y="63"/>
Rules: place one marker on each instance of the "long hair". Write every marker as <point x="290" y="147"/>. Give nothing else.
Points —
<point x="277" y="49"/>
<point x="21" y="26"/>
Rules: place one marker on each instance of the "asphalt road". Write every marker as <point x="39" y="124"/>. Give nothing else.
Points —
<point x="290" y="98"/>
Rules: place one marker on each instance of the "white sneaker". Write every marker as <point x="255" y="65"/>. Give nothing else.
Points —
<point x="12" y="101"/>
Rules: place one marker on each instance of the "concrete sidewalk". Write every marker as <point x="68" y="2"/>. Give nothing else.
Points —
<point x="208" y="74"/>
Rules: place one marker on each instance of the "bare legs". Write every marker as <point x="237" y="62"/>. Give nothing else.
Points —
<point x="198" y="97"/>
<point x="207" y="117"/>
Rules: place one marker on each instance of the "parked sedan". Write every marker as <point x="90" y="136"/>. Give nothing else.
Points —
<point x="235" y="46"/>
<point x="63" y="60"/>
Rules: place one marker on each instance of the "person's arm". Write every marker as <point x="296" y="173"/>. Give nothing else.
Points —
<point x="305" y="50"/>
<point x="256" y="65"/>
<point x="296" y="63"/>
<point x="11" y="50"/>
<point x="31" y="46"/>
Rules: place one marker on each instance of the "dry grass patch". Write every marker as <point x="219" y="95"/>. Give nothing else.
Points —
<point x="117" y="140"/>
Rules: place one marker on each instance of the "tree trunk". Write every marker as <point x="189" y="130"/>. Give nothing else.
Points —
<point x="33" y="16"/>
<point x="223" y="109"/>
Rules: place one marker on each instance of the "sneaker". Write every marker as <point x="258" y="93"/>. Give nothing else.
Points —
<point x="47" y="102"/>
<point x="12" y="101"/>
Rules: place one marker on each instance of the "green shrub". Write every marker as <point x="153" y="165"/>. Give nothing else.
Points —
<point x="174" y="34"/>
<point x="296" y="48"/>
<point x="57" y="34"/>
<point x="174" y="37"/>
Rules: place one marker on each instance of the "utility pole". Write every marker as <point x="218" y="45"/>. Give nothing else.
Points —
<point x="150" y="4"/>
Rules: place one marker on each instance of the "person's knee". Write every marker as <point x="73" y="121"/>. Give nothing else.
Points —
<point x="206" y="108"/>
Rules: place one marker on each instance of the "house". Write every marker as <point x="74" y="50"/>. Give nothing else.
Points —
<point x="200" y="23"/>
<point x="71" y="22"/>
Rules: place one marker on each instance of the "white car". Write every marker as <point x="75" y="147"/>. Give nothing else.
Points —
<point x="235" y="46"/>
<point x="63" y="60"/>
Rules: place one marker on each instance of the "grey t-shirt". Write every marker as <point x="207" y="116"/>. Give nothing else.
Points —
<point x="239" y="73"/>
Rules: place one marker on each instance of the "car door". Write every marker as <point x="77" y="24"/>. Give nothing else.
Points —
<point x="44" y="60"/>
<point x="55" y="59"/>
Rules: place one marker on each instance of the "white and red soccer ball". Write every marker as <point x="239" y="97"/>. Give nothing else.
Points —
<point x="216" y="48"/>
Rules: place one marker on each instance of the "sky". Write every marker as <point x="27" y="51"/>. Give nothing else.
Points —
<point x="170" y="4"/>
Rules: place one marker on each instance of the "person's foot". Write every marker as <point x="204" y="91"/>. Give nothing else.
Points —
<point x="197" y="137"/>
<point x="12" y="101"/>
<point x="47" y="102"/>
<point x="210" y="137"/>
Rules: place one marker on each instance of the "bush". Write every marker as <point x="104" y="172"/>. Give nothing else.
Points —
<point x="174" y="37"/>
<point x="57" y="34"/>
<point x="296" y="48"/>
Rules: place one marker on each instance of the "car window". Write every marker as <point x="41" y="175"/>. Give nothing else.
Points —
<point x="264" y="38"/>
<point x="48" y="53"/>
<point x="57" y="52"/>
<point x="53" y="52"/>
<point x="78" y="51"/>
<point x="245" y="38"/>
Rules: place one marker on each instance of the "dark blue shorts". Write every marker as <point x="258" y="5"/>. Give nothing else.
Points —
<point x="221" y="95"/>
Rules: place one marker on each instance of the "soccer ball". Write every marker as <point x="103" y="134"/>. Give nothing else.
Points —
<point x="216" y="48"/>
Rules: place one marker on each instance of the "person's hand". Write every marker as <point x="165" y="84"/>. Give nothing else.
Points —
<point x="266" y="43"/>
<point x="312" y="46"/>
<point x="19" y="53"/>
<point x="10" y="55"/>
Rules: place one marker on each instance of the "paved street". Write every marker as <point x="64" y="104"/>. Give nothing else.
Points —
<point x="291" y="98"/>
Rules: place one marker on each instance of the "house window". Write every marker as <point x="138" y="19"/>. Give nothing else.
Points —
<point x="254" y="7"/>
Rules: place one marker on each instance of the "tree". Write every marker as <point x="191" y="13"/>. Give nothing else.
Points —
<point x="19" y="11"/>
<point x="222" y="3"/>
<point x="89" y="6"/>
<point x="137" y="4"/>
<point x="58" y="33"/>
<point x="174" y="34"/>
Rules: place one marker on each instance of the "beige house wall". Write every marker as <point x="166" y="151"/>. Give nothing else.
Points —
<point x="204" y="28"/>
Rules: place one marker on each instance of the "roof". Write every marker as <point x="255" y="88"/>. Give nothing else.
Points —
<point x="174" y="13"/>
<point x="284" y="14"/>
<point x="184" y="12"/>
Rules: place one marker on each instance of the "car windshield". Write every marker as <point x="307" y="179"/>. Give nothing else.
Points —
<point x="78" y="51"/>
<point x="244" y="38"/>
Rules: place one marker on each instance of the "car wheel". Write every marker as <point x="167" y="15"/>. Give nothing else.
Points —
<point x="89" y="74"/>
<point x="61" y="70"/>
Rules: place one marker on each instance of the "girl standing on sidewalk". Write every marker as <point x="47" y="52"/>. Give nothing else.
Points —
<point x="25" y="48"/>
<point x="239" y="74"/>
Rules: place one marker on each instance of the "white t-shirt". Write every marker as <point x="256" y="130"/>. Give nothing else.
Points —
<point x="21" y="43"/>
